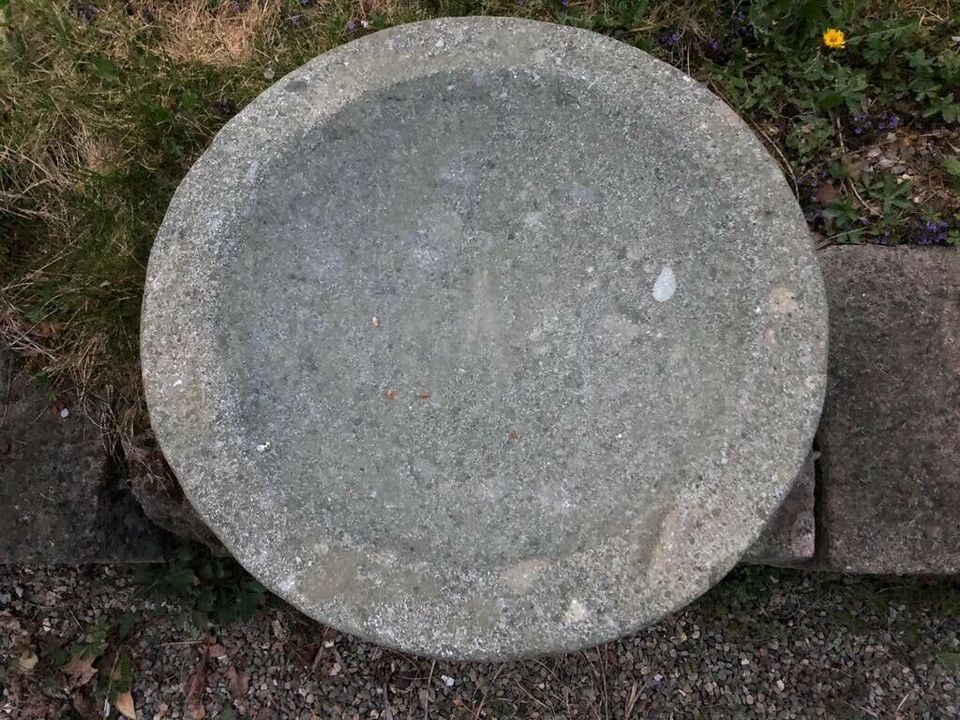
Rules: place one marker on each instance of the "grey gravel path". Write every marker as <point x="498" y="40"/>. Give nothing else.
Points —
<point x="764" y="643"/>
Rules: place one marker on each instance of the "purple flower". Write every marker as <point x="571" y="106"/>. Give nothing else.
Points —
<point x="932" y="232"/>
<point x="883" y="238"/>
<point x="713" y="46"/>
<point x="861" y="123"/>
<point x="671" y="39"/>
<point x="885" y="121"/>
<point x="565" y="2"/>
<point x="888" y="121"/>
<point x="352" y="26"/>
<point x="87" y="12"/>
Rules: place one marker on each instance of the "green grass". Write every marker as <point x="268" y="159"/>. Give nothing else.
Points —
<point x="104" y="106"/>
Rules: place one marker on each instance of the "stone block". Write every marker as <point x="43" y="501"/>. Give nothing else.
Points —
<point x="890" y="464"/>
<point x="62" y="497"/>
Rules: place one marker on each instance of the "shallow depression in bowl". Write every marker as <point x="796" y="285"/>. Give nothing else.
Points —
<point x="438" y="323"/>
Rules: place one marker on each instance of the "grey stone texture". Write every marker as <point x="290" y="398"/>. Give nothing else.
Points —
<point x="789" y="538"/>
<point x="484" y="337"/>
<point x="890" y="464"/>
<point x="62" y="500"/>
<point x="155" y="487"/>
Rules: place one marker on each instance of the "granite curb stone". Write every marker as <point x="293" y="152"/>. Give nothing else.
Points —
<point x="62" y="496"/>
<point x="890" y="464"/>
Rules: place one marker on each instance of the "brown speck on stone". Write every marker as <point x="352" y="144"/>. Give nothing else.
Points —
<point x="390" y="394"/>
<point x="425" y="395"/>
<point x="513" y="435"/>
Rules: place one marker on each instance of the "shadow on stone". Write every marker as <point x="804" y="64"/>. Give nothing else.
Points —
<point x="63" y="499"/>
<point x="155" y="487"/>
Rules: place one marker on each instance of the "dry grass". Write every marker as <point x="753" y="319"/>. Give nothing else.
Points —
<point x="924" y="10"/>
<point x="28" y="176"/>
<point x="96" y="153"/>
<point x="364" y="10"/>
<point x="194" y="33"/>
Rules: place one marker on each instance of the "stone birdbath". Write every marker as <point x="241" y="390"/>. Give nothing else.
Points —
<point x="482" y="338"/>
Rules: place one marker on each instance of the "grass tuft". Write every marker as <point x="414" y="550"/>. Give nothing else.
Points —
<point x="219" y="35"/>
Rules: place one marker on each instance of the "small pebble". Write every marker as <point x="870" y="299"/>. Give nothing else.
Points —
<point x="311" y="676"/>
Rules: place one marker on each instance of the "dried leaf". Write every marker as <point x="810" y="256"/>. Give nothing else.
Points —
<point x="79" y="671"/>
<point x="237" y="683"/>
<point x="9" y="623"/>
<point x="28" y="660"/>
<point x="194" y="689"/>
<point x="124" y="705"/>
<point x="279" y="631"/>
<point x="218" y="651"/>
<point x="82" y="704"/>
<point x="827" y="194"/>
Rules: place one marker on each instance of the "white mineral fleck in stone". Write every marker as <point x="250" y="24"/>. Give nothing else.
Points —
<point x="575" y="612"/>
<point x="666" y="285"/>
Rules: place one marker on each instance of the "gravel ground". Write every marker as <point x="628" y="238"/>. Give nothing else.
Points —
<point x="764" y="643"/>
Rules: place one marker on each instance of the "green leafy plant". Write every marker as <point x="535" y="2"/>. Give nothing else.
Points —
<point x="878" y="38"/>
<point x="944" y="106"/>
<point x="891" y="193"/>
<point x="949" y="661"/>
<point x="206" y="587"/>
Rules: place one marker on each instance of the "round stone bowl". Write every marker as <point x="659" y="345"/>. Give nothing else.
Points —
<point x="482" y="338"/>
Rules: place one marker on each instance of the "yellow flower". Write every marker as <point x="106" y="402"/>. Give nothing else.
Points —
<point x="834" y="38"/>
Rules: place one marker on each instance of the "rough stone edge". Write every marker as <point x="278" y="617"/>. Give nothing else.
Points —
<point x="789" y="539"/>
<point x="208" y="174"/>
